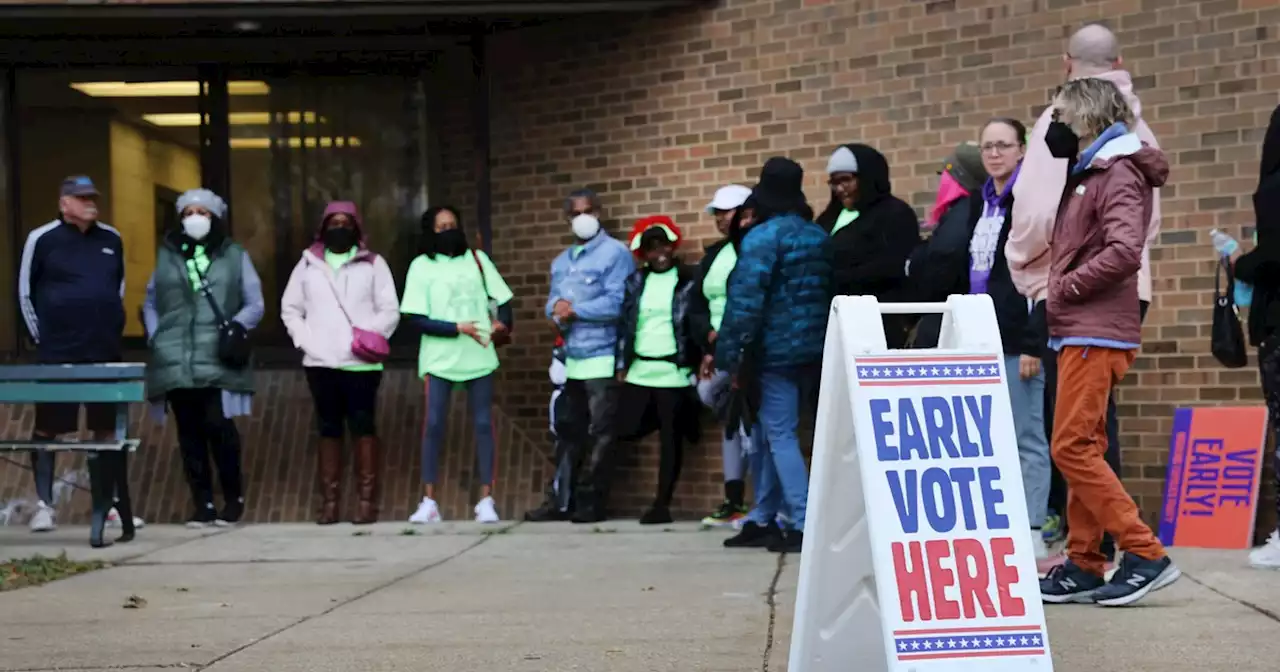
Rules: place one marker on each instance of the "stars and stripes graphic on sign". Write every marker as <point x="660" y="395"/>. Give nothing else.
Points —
<point x="936" y="370"/>
<point x="990" y="642"/>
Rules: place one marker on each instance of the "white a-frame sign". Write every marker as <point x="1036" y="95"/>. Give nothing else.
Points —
<point x="917" y="548"/>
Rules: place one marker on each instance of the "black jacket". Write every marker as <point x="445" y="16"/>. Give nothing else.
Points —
<point x="1261" y="266"/>
<point x="688" y="349"/>
<point x="699" y="307"/>
<point x="870" y="255"/>
<point x="944" y="270"/>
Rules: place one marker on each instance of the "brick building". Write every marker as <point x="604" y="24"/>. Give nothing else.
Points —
<point x="655" y="104"/>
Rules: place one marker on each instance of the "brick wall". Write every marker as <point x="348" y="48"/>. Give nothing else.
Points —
<point x="656" y="112"/>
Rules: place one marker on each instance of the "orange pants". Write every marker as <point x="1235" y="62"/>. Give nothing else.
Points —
<point x="1096" y="500"/>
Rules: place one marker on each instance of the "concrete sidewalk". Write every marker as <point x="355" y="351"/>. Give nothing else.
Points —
<point x="460" y="597"/>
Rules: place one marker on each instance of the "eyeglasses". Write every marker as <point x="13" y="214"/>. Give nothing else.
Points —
<point x="998" y="147"/>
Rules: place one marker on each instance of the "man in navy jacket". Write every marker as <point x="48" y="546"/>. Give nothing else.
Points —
<point x="71" y="289"/>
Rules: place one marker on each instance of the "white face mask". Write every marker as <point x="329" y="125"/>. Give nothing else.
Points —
<point x="196" y="226"/>
<point x="585" y="227"/>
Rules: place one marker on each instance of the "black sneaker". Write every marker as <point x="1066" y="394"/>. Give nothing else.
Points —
<point x="1134" y="578"/>
<point x="545" y="513"/>
<point x="1067" y="583"/>
<point x="231" y="514"/>
<point x="791" y="541"/>
<point x="656" y="515"/>
<point x="754" y="535"/>
<point x="203" y="517"/>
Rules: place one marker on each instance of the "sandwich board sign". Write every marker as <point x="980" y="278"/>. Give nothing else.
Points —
<point x="917" y="549"/>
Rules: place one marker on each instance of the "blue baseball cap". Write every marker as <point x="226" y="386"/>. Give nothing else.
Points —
<point x="78" y="185"/>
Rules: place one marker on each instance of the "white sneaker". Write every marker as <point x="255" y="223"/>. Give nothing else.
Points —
<point x="485" y="511"/>
<point x="113" y="519"/>
<point x="44" y="519"/>
<point x="1037" y="545"/>
<point x="1267" y="556"/>
<point x="427" y="512"/>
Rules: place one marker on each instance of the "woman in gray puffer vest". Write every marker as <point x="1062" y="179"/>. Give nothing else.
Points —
<point x="184" y="370"/>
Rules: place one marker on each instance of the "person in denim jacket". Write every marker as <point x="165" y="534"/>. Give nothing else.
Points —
<point x="588" y="281"/>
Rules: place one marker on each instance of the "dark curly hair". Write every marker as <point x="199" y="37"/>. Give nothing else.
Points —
<point x="427" y="245"/>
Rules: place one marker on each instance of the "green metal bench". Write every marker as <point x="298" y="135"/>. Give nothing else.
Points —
<point x="107" y="461"/>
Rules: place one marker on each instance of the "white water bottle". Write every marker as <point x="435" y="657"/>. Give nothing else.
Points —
<point x="1223" y="244"/>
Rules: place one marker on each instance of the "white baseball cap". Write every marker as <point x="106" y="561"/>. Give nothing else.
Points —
<point x="728" y="198"/>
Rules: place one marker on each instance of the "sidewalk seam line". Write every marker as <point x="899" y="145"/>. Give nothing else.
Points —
<point x="1244" y="603"/>
<point x="771" y="599"/>
<point x="360" y="596"/>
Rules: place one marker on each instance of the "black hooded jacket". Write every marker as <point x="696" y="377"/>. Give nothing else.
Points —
<point x="871" y="253"/>
<point x="1261" y="266"/>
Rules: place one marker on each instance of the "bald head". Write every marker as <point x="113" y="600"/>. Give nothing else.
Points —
<point x="1093" y="49"/>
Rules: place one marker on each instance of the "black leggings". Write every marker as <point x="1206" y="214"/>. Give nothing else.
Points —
<point x="1269" y="363"/>
<point x="202" y="429"/>
<point x="344" y="400"/>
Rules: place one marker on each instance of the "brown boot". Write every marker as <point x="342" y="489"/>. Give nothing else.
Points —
<point x="367" y="480"/>
<point x="329" y="473"/>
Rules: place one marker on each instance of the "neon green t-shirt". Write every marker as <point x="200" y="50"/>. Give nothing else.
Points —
<point x="197" y="265"/>
<point x="715" y="285"/>
<point x="845" y="218"/>
<point x="450" y="289"/>
<point x="335" y="261"/>
<point x="656" y="336"/>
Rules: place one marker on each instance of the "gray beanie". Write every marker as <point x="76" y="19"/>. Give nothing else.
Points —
<point x="842" y="161"/>
<point x="204" y="198"/>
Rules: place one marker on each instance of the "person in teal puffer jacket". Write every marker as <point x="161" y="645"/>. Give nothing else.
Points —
<point x="775" y="320"/>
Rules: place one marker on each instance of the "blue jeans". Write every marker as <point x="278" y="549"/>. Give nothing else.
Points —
<point x="1026" y="397"/>
<point x="781" y="476"/>
<point x="480" y="399"/>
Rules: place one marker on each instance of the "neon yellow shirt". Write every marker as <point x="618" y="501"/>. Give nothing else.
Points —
<point x="845" y="218"/>
<point x="656" y="336"/>
<point x="715" y="285"/>
<point x="450" y="289"/>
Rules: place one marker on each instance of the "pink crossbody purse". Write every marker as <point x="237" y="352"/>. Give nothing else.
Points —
<point x="369" y="346"/>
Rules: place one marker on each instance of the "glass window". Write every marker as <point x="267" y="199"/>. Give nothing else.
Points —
<point x="116" y="127"/>
<point x="313" y="139"/>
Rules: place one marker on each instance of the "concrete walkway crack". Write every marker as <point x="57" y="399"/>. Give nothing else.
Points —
<point x="771" y="599"/>
<point x="1244" y="603"/>
<point x="385" y="584"/>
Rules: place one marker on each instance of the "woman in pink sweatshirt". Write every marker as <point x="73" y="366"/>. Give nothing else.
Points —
<point x="339" y="289"/>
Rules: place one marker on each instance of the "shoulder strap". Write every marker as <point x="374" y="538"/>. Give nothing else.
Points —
<point x="333" y="287"/>
<point x="483" y="282"/>
<point x="208" y="294"/>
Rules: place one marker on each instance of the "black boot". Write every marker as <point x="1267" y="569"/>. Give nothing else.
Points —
<point x="658" y="514"/>
<point x="548" y="511"/>
<point x="755" y="536"/>
<point x="590" y="507"/>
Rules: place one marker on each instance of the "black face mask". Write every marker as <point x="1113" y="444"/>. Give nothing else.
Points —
<point x="339" y="239"/>
<point x="451" y="243"/>
<point x="1062" y="141"/>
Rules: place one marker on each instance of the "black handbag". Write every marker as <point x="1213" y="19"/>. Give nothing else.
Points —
<point x="1227" y="339"/>
<point x="234" y="348"/>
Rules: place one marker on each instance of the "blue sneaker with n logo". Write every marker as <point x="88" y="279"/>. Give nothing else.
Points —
<point x="1068" y="584"/>
<point x="1134" y="578"/>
